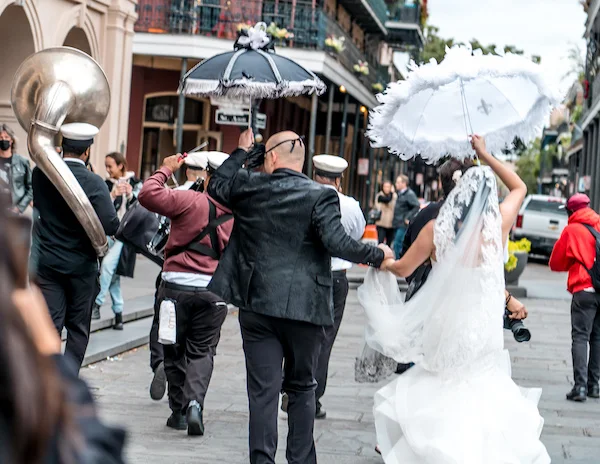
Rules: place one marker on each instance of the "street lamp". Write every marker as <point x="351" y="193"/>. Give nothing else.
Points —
<point x="342" y="89"/>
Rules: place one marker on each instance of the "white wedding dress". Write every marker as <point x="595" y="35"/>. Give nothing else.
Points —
<point x="458" y="404"/>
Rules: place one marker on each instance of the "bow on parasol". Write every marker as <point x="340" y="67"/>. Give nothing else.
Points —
<point x="433" y="112"/>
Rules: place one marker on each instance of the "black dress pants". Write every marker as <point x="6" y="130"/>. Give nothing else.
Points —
<point x="189" y="362"/>
<point x="156" y="349"/>
<point x="585" y="329"/>
<point x="70" y="299"/>
<point x="268" y="341"/>
<point x="340" y="293"/>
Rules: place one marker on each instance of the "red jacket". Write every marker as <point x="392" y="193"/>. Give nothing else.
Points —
<point x="576" y="245"/>
<point x="188" y="211"/>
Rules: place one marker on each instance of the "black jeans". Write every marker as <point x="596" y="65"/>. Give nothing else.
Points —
<point x="386" y="235"/>
<point x="585" y="329"/>
<point x="340" y="293"/>
<point x="189" y="362"/>
<point x="267" y="342"/>
<point x="70" y="299"/>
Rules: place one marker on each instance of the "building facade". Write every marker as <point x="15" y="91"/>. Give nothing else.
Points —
<point x="584" y="163"/>
<point x="101" y="28"/>
<point x="336" y="39"/>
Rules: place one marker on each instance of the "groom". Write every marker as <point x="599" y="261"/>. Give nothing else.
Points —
<point x="277" y="270"/>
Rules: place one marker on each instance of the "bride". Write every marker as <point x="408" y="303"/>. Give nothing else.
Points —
<point x="458" y="404"/>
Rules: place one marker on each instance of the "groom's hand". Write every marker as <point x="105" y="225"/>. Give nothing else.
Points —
<point x="387" y="251"/>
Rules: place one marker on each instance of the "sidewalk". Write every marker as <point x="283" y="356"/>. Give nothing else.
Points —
<point x="347" y="436"/>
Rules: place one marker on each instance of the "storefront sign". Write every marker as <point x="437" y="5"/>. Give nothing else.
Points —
<point x="229" y="117"/>
<point x="230" y="102"/>
<point x="363" y="167"/>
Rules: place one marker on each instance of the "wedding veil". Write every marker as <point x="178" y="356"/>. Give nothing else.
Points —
<point x="453" y="321"/>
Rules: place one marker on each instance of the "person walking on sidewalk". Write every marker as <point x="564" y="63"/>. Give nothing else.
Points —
<point x="15" y="172"/>
<point x="386" y="203"/>
<point x="277" y="270"/>
<point x="200" y="230"/>
<point x="120" y="259"/>
<point x="407" y="206"/>
<point x="575" y="251"/>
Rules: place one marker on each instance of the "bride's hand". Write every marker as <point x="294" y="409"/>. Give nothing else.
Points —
<point x="387" y="263"/>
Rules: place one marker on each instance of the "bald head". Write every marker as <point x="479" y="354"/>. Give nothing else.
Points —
<point x="284" y="150"/>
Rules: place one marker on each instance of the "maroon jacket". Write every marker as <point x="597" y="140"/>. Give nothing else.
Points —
<point x="188" y="211"/>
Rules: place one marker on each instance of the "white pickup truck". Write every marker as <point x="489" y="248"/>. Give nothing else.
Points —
<point x="541" y="221"/>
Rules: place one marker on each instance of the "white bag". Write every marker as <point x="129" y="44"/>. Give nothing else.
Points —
<point x="167" y="326"/>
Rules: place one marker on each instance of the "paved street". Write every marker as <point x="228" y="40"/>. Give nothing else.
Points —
<point x="571" y="433"/>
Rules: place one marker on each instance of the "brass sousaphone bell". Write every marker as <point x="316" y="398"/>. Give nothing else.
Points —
<point x="53" y="87"/>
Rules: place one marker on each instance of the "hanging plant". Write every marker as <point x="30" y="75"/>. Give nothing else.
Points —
<point x="362" y="67"/>
<point x="377" y="87"/>
<point x="335" y="44"/>
<point x="279" y="32"/>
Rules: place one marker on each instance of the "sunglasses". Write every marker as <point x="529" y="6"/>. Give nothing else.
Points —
<point x="299" y="140"/>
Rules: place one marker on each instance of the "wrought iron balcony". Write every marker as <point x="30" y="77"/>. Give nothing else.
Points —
<point x="308" y="26"/>
<point x="404" y="24"/>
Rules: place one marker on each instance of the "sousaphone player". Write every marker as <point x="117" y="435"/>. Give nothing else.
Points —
<point x="64" y="90"/>
<point x="67" y="269"/>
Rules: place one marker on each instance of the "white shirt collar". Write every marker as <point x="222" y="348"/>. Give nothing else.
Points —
<point x="74" y="160"/>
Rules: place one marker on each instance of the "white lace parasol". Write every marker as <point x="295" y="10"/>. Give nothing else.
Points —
<point x="438" y="106"/>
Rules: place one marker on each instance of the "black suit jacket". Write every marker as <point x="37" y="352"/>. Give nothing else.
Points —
<point x="60" y="242"/>
<point x="286" y="228"/>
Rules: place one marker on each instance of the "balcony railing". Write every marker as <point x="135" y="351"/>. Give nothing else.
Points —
<point x="310" y="26"/>
<point x="402" y="13"/>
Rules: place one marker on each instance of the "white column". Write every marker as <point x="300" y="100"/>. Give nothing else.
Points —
<point x="117" y="58"/>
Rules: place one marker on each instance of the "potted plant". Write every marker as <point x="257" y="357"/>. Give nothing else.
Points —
<point x="278" y="33"/>
<point x="518" y="255"/>
<point x="377" y="87"/>
<point x="362" y="68"/>
<point x="335" y="44"/>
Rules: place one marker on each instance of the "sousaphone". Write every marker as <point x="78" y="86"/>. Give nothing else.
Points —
<point x="53" y="87"/>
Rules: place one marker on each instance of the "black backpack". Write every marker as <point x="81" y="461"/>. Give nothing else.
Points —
<point x="594" y="271"/>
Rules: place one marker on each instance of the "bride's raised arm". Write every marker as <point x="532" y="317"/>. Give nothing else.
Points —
<point x="419" y="252"/>
<point x="509" y="208"/>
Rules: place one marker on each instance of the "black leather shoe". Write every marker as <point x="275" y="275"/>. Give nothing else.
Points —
<point x="95" y="312"/>
<point x="158" y="387"/>
<point x="195" y="425"/>
<point x="118" y="325"/>
<point x="321" y="413"/>
<point x="285" y="401"/>
<point x="177" y="421"/>
<point x="577" y="394"/>
<point x="594" y="391"/>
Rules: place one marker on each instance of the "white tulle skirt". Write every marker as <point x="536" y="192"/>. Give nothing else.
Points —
<point x="482" y="417"/>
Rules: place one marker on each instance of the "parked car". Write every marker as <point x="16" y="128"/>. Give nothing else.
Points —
<point x="541" y="221"/>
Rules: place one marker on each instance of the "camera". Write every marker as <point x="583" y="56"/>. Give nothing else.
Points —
<point x="520" y="332"/>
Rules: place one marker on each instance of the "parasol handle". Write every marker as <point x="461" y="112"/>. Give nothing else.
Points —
<point x="250" y="115"/>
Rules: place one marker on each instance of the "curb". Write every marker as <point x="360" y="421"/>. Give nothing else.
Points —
<point x="115" y="350"/>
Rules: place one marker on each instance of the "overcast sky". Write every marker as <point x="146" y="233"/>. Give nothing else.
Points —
<point x="539" y="27"/>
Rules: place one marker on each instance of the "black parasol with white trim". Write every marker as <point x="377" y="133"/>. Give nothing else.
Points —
<point x="252" y="70"/>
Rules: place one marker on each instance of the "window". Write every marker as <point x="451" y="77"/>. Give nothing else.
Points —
<point x="164" y="109"/>
<point x="546" y="206"/>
